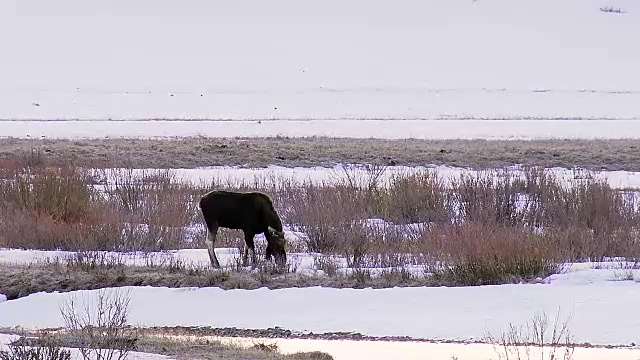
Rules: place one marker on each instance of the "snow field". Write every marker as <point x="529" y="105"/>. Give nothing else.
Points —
<point x="409" y="59"/>
<point x="602" y="312"/>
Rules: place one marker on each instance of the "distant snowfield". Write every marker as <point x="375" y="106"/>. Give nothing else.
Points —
<point x="511" y="129"/>
<point x="408" y="59"/>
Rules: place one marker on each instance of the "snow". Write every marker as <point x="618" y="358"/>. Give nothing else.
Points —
<point x="603" y="313"/>
<point x="408" y="59"/>
<point x="271" y="174"/>
<point x="599" y="296"/>
<point x="365" y="68"/>
<point x="428" y="129"/>
<point x="5" y="339"/>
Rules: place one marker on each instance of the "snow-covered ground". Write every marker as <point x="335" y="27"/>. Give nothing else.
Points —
<point x="408" y="59"/>
<point x="272" y="174"/>
<point x="603" y="312"/>
<point x="601" y="297"/>
<point x="382" y="129"/>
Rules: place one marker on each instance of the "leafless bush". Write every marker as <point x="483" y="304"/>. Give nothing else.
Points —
<point x="325" y="214"/>
<point x="45" y="347"/>
<point x="538" y="339"/>
<point x="480" y="254"/>
<point x="155" y="207"/>
<point x="92" y="260"/>
<point x="488" y="197"/>
<point x="63" y="193"/>
<point x="420" y="197"/>
<point x="100" y="328"/>
<point x="328" y="264"/>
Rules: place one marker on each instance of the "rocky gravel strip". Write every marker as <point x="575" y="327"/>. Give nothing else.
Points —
<point x="280" y="333"/>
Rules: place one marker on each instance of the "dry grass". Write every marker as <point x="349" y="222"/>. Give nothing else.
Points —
<point x="17" y="281"/>
<point x="195" y="348"/>
<point x="320" y="151"/>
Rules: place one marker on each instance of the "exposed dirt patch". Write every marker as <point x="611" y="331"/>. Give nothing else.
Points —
<point x="618" y="154"/>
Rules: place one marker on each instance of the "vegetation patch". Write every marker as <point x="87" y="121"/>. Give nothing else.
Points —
<point x="190" y="152"/>
<point x="485" y="228"/>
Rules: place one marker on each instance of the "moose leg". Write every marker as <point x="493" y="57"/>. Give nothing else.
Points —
<point x="249" y="247"/>
<point x="244" y="254"/>
<point x="211" y="239"/>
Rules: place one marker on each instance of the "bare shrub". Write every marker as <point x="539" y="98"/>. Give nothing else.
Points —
<point x="480" y="254"/>
<point x="328" y="264"/>
<point x="420" y="197"/>
<point x="366" y="181"/>
<point x="50" y="208"/>
<point x="587" y="218"/>
<point x="92" y="260"/>
<point x="360" y="276"/>
<point x="325" y="214"/>
<point x="45" y="347"/>
<point x="63" y="193"/>
<point x="393" y="277"/>
<point x="155" y="207"/>
<point x="100" y="328"/>
<point x="538" y="339"/>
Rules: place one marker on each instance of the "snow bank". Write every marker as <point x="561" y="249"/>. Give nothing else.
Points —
<point x="3" y="297"/>
<point x="602" y="312"/>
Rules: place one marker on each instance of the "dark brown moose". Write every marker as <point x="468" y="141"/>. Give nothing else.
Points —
<point x="251" y="212"/>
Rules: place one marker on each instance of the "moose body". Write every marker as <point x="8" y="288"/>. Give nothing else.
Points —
<point x="251" y="212"/>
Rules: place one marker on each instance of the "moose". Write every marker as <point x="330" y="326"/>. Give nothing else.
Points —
<point x="251" y="212"/>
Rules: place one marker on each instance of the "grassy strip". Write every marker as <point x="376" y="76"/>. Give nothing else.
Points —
<point x="17" y="281"/>
<point x="617" y="154"/>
